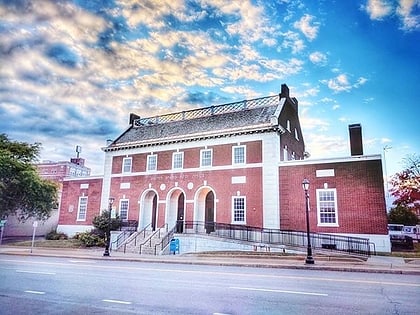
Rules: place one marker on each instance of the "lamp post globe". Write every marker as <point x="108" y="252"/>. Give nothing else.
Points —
<point x="309" y="259"/>
<point x="108" y="231"/>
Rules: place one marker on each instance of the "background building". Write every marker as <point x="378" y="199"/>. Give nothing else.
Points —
<point x="56" y="172"/>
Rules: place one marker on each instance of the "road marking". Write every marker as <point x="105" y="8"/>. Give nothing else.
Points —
<point x="36" y="272"/>
<point x="279" y="291"/>
<point x="305" y="278"/>
<point x="82" y="261"/>
<point x="116" y="301"/>
<point x="34" y="292"/>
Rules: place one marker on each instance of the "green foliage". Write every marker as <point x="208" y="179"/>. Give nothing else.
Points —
<point x="54" y="236"/>
<point x="90" y="239"/>
<point x="101" y="222"/>
<point x="402" y="215"/>
<point x="406" y="184"/>
<point x="22" y="191"/>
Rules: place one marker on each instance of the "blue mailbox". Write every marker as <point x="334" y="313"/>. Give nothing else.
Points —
<point x="174" y="245"/>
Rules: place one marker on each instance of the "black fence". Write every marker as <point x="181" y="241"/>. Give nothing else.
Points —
<point x="326" y="242"/>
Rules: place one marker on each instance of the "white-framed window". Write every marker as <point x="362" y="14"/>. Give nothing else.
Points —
<point x="152" y="162"/>
<point x="238" y="154"/>
<point x="177" y="160"/>
<point x="238" y="209"/>
<point x="327" y="207"/>
<point x="126" y="165"/>
<point x="82" y="208"/>
<point x="206" y="157"/>
<point x="288" y="125"/>
<point x="123" y="209"/>
<point x="296" y="134"/>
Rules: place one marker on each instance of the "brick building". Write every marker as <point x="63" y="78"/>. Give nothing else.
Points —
<point x="240" y="163"/>
<point x="56" y="172"/>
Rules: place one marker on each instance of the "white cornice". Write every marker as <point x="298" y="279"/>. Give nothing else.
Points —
<point x="332" y="160"/>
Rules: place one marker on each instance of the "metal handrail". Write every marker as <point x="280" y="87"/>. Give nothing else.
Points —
<point x="321" y="241"/>
<point x="165" y="240"/>
<point x="135" y="235"/>
<point x="120" y="239"/>
<point x="150" y="237"/>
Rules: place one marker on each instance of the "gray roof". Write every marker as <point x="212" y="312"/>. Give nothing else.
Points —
<point x="222" y="120"/>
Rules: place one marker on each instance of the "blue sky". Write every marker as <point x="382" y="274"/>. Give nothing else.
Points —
<point x="72" y="71"/>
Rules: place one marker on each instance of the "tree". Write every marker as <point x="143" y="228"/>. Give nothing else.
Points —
<point x="402" y="215"/>
<point x="22" y="191"/>
<point x="101" y="222"/>
<point x="406" y="184"/>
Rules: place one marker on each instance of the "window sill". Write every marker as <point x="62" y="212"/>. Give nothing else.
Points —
<point x="328" y="225"/>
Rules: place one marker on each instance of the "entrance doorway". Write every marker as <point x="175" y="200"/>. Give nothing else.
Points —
<point x="209" y="213"/>
<point x="148" y="210"/>
<point x="180" y="214"/>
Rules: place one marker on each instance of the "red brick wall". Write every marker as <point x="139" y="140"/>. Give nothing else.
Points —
<point x="70" y="200"/>
<point x="288" y="138"/>
<point x="222" y="155"/>
<point x="219" y="181"/>
<point x="360" y="197"/>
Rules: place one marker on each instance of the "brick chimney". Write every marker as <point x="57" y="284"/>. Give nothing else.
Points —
<point x="356" y="142"/>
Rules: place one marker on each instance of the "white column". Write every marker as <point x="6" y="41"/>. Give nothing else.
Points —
<point x="271" y="158"/>
<point x="106" y="184"/>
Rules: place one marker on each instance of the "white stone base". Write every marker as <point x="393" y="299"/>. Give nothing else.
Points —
<point x="71" y="230"/>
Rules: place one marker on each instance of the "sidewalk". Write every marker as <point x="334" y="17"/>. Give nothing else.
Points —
<point x="375" y="264"/>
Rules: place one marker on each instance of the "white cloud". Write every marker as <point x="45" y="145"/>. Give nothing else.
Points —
<point x="341" y="83"/>
<point x="304" y="25"/>
<point x="245" y="91"/>
<point x="293" y="41"/>
<point x="318" y="58"/>
<point x="317" y="144"/>
<point x="386" y="140"/>
<point x="403" y="9"/>
<point x="378" y="9"/>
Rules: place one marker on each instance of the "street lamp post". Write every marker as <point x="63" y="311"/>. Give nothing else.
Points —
<point x="309" y="259"/>
<point x="108" y="231"/>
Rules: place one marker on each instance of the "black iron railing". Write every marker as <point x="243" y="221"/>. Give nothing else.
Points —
<point x="331" y="242"/>
<point x="209" y="111"/>
<point x="165" y="240"/>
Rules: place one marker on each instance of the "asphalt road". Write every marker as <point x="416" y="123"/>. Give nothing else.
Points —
<point x="45" y="285"/>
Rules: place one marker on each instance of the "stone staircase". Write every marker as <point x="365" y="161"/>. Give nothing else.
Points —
<point x="143" y="242"/>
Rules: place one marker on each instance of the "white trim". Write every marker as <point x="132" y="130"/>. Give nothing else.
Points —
<point x="233" y="154"/>
<point x="129" y="165"/>
<point x="233" y="210"/>
<point x="331" y="160"/>
<point x="148" y="163"/>
<point x="119" y="207"/>
<point x="201" y="158"/>
<point x="335" y="224"/>
<point x="173" y="160"/>
<point x="78" y="209"/>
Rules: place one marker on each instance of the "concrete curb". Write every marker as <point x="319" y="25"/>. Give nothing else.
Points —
<point x="285" y="262"/>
